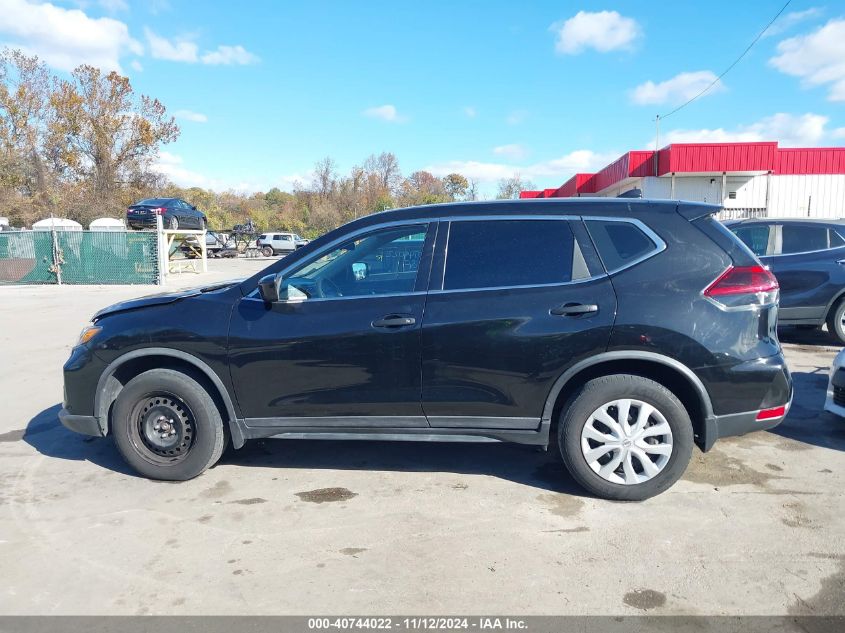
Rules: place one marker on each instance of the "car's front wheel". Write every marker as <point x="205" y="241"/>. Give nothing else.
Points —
<point x="166" y="425"/>
<point x="625" y="437"/>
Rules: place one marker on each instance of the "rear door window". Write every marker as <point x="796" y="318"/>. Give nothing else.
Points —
<point x="755" y="237"/>
<point x="803" y="239"/>
<point x="619" y="243"/>
<point x="497" y="253"/>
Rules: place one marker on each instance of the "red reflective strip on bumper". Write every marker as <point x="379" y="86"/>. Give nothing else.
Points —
<point x="768" y="414"/>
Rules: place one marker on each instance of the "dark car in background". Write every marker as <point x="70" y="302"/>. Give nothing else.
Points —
<point x="808" y="259"/>
<point x="619" y="332"/>
<point x="175" y="214"/>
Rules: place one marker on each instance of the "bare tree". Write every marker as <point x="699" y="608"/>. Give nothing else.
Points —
<point x="510" y="188"/>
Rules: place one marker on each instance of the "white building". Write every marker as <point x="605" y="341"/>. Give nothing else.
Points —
<point x="748" y="179"/>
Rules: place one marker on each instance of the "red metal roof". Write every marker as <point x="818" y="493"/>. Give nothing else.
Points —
<point x="719" y="157"/>
<point x="827" y="160"/>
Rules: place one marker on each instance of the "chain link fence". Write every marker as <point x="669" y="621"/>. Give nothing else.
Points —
<point x="78" y="257"/>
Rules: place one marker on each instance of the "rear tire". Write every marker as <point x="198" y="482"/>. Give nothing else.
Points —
<point x="267" y="251"/>
<point x="836" y="322"/>
<point x="174" y="223"/>
<point x="166" y="426"/>
<point x="657" y="428"/>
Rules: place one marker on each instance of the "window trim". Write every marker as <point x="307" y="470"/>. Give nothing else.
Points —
<point x="429" y="224"/>
<point x="780" y="252"/>
<point x="659" y="244"/>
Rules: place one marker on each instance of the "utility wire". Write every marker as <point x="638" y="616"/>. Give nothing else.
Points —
<point x="729" y="68"/>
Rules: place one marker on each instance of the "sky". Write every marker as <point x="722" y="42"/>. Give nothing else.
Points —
<point x="262" y="90"/>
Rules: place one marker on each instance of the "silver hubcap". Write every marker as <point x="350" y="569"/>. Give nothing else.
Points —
<point x="626" y="441"/>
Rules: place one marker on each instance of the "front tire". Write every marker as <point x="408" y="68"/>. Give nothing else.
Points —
<point x="625" y="437"/>
<point x="836" y="322"/>
<point x="166" y="426"/>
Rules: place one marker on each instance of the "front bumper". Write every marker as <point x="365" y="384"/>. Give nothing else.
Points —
<point x="84" y="424"/>
<point x="835" y="398"/>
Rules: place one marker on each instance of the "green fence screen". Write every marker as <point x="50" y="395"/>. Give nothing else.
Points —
<point x="78" y="257"/>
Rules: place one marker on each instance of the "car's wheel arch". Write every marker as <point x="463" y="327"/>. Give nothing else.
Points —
<point x="669" y="372"/>
<point x="831" y="305"/>
<point x="129" y="365"/>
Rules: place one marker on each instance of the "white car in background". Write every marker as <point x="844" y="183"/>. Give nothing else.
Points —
<point x="835" y="400"/>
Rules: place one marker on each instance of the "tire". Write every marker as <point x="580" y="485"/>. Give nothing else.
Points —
<point x="164" y="396"/>
<point x="267" y="251"/>
<point x="576" y="443"/>
<point x="835" y="324"/>
<point x="173" y="225"/>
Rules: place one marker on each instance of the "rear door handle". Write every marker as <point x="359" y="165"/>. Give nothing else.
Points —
<point x="394" y="320"/>
<point x="574" y="309"/>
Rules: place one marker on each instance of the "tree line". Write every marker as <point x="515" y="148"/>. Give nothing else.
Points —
<point x="84" y="146"/>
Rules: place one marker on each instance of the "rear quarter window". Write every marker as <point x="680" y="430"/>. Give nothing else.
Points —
<point x="619" y="243"/>
<point x="501" y="253"/>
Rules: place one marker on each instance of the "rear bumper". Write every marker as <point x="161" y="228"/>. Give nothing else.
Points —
<point x="84" y="424"/>
<point x="765" y="382"/>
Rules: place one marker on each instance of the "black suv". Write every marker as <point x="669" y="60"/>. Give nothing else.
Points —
<point x="620" y="331"/>
<point x="808" y="259"/>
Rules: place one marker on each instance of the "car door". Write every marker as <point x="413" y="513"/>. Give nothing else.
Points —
<point x="340" y="349"/>
<point x="513" y="303"/>
<point x="807" y="269"/>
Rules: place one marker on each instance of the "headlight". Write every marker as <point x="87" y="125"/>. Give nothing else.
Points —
<point x="88" y="332"/>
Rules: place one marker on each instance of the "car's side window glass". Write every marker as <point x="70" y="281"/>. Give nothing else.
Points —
<point x="755" y="237"/>
<point x="495" y="253"/>
<point x="836" y="240"/>
<point x="619" y="243"/>
<point x="802" y="239"/>
<point x="385" y="261"/>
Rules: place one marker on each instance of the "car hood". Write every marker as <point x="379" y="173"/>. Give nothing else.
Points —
<point x="163" y="298"/>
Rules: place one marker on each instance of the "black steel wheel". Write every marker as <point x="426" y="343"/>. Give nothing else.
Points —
<point x="167" y="426"/>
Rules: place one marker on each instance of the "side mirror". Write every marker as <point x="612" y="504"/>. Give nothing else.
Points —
<point x="268" y="287"/>
<point x="360" y="271"/>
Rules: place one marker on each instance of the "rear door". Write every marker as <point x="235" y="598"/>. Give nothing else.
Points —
<point x="807" y="269"/>
<point x="513" y="303"/>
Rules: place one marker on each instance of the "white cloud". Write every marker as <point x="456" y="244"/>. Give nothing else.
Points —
<point x="513" y="151"/>
<point x="65" y="38"/>
<point x="178" y="50"/>
<point x="516" y="117"/>
<point x="790" y="130"/>
<point x="470" y="111"/>
<point x="385" y="112"/>
<point x="229" y="56"/>
<point x="791" y="19"/>
<point x="678" y="89"/>
<point x="183" y="49"/>
<point x="818" y="58"/>
<point x="603" y="31"/>
<point x="173" y="167"/>
<point x="114" y="6"/>
<point x="188" y="115"/>
<point x="559" y="168"/>
<point x="136" y="65"/>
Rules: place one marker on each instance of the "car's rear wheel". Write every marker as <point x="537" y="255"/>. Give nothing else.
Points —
<point x="267" y="251"/>
<point x="166" y="425"/>
<point x="625" y="437"/>
<point x="836" y="321"/>
<point x="174" y="223"/>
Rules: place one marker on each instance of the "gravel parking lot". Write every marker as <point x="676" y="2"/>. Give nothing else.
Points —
<point x="757" y="526"/>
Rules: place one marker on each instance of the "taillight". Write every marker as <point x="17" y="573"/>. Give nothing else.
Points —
<point x="743" y="287"/>
<point x="159" y="211"/>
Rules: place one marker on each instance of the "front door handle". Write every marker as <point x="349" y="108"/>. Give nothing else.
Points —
<point x="574" y="309"/>
<point x="394" y="320"/>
